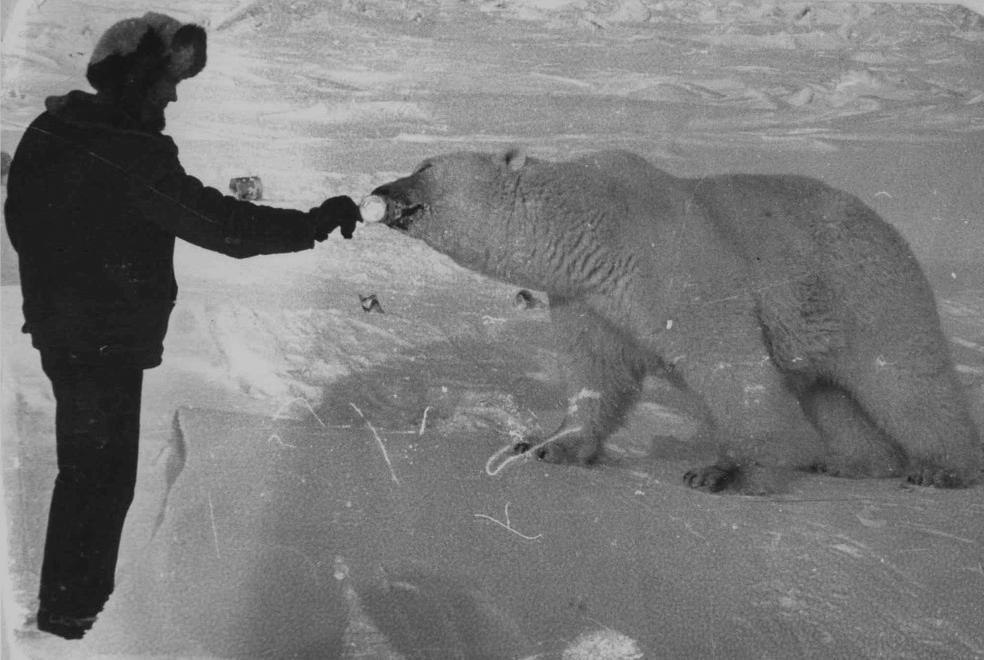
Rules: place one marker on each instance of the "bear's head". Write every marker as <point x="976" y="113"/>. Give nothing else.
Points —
<point x="458" y="203"/>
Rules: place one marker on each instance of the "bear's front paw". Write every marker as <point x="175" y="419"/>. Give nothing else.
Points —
<point x="712" y="478"/>
<point x="577" y="450"/>
<point x="940" y="477"/>
<point x="555" y="452"/>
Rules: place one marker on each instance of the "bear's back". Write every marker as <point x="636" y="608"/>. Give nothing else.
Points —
<point x="805" y="243"/>
<point x="778" y="217"/>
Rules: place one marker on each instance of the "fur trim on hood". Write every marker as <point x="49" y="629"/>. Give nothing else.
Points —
<point x="135" y="50"/>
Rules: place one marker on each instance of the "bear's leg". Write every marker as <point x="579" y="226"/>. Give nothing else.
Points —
<point x="854" y="446"/>
<point x="757" y="421"/>
<point x="920" y="406"/>
<point x="604" y="380"/>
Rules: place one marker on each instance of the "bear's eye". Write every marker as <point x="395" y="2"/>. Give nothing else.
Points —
<point x="423" y="167"/>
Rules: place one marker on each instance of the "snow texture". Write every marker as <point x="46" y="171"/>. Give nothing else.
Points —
<point x="311" y="479"/>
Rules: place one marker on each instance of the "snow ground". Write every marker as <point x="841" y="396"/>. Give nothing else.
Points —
<point x="312" y="477"/>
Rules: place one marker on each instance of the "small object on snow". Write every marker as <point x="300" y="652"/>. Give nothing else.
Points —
<point x="609" y="644"/>
<point x="801" y="98"/>
<point x="526" y="300"/>
<point x="372" y="208"/>
<point x="249" y="188"/>
<point x="370" y="303"/>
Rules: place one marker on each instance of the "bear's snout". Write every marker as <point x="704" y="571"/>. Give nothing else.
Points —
<point x="401" y="205"/>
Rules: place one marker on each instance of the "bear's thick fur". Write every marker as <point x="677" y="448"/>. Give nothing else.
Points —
<point x="797" y="315"/>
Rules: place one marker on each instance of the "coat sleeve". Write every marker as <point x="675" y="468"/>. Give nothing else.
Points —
<point x="179" y="203"/>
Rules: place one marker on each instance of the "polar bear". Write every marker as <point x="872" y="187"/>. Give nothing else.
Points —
<point x="798" y="317"/>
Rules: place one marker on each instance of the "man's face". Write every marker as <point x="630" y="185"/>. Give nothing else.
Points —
<point x="158" y="95"/>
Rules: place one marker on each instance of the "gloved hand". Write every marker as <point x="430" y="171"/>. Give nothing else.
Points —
<point x="335" y="212"/>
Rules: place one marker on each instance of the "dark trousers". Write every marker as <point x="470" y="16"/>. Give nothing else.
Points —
<point x="97" y="427"/>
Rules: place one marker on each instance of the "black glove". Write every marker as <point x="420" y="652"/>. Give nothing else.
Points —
<point x="336" y="212"/>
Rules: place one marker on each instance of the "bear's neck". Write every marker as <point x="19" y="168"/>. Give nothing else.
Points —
<point x="513" y="260"/>
<point x="532" y="246"/>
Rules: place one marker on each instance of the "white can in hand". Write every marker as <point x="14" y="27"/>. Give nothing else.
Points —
<point x="372" y="208"/>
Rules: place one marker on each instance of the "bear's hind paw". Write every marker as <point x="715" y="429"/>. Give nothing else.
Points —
<point x="940" y="477"/>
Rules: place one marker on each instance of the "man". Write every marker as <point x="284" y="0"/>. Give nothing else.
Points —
<point x="95" y="198"/>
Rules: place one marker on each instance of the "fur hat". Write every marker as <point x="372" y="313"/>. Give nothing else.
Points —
<point x="135" y="50"/>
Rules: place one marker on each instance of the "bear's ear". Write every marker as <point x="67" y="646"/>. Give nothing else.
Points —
<point x="513" y="158"/>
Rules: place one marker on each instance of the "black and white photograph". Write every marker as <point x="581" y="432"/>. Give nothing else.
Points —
<point x="492" y="329"/>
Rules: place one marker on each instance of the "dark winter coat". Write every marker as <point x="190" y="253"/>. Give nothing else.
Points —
<point x="93" y="207"/>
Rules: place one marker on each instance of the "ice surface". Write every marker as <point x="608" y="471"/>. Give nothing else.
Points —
<point x="312" y="479"/>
